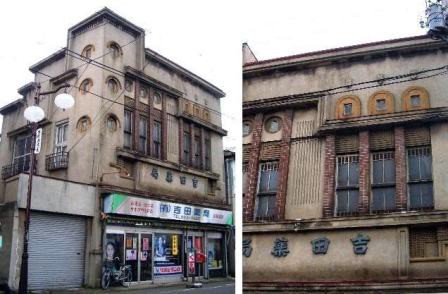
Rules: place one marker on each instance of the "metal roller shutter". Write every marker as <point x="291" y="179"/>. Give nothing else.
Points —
<point x="56" y="251"/>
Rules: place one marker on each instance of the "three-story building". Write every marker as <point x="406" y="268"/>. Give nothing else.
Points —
<point x="134" y="170"/>
<point x="344" y="165"/>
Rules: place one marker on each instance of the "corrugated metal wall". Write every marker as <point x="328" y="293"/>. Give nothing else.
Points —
<point x="56" y="251"/>
<point x="173" y="139"/>
<point x="304" y="179"/>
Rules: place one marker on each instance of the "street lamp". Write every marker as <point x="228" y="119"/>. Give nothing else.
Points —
<point x="34" y="114"/>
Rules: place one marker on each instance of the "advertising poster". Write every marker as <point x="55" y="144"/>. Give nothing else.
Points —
<point x="145" y="244"/>
<point x="113" y="248"/>
<point x="131" y="254"/>
<point x="167" y="260"/>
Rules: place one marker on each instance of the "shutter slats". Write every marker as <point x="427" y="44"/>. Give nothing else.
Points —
<point x="382" y="140"/>
<point x="417" y="137"/>
<point x="347" y="144"/>
<point x="246" y="153"/>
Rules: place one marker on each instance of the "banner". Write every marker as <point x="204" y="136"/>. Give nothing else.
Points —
<point x="128" y="205"/>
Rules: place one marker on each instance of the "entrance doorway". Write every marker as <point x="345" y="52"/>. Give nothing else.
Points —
<point x="196" y="243"/>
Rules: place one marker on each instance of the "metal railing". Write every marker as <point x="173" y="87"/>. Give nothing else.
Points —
<point x="16" y="168"/>
<point x="56" y="161"/>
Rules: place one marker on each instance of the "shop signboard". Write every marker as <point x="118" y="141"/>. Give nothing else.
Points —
<point x="128" y="205"/>
<point x="167" y="260"/>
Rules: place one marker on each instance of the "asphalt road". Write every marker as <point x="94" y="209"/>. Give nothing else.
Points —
<point x="215" y="288"/>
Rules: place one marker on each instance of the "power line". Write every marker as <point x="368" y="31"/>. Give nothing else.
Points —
<point x="398" y="79"/>
<point x="123" y="74"/>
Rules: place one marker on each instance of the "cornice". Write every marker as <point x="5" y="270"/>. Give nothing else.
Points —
<point x="344" y="223"/>
<point x="185" y="73"/>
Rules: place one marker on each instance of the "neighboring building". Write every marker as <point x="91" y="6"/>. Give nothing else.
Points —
<point x="229" y="171"/>
<point x="138" y="172"/>
<point x="344" y="166"/>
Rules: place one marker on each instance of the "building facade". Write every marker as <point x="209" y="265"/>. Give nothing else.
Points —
<point x="344" y="168"/>
<point x="134" y="170"/>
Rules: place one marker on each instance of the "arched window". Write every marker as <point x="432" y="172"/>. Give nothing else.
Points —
<point x="128" y="84"/>
<point x="115" y="49"/>
<point x="85" y="86"/>
<point x="348" y="107"/>
<point x="157" y="99"/>
<point x="87" y="52"/>
<point x="415" y="98"/>
<point x="112" y="122"/>
<point x="113" y="84"/>
<point x="381" y="102"/>
<point x="83" y="124"/>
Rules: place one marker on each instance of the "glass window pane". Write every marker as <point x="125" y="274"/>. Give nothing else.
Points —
<point x="353" y="173"/>
<point x="427" y="195"/>
<point x="262" y="206"/>
<point x="353" y="200"/>
<point x="273" y="181"/>
<point x="264" y="182"/>
<point x="390" y="198"/>
<point x="414" y="195"/>
<point x="425" y="167"/>
<point x="377" y="199"/>
<point x="413" y="168"/>
<point x="377" y="171"/>
<point x="342" y="175"/>
<point x="389" y="171"/>
<point x="342" y="201"/>
<point x="271" y="205"/>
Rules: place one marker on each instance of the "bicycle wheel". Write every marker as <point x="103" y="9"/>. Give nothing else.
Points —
<point x="105" y="280"/>
<point x="126" y="282"/>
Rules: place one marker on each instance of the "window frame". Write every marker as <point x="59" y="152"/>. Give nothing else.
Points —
<point x="269" y="166"/>
<point x="157" y="139"/>
<point x="60" y="146"/>
<point x="421" y="181"/>
<point x="143" y="134"/>
<point x="348" y="188"/>
<point x="128" y="131"/>
<point x="384" y="185"/>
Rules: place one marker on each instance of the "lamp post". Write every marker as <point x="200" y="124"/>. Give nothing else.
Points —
<point x="34" y="114"/>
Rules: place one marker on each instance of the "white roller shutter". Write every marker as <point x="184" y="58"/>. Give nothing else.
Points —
<point x="56" y="251"/>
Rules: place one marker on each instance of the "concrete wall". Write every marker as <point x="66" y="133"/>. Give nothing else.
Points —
<point x="340" y="263"/>
<point x="6" y="231"/>
<point x="439" y="141"/>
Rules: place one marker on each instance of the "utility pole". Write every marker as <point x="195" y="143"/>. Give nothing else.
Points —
<point x="436" y="19"/>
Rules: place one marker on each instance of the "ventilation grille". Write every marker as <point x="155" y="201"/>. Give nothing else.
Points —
<point x="417" y="137"/>
<point x="382" y="140"/>
<point x="347" y="144"/>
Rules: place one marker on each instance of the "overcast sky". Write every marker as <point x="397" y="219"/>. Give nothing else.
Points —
<point x="206" y="36"/>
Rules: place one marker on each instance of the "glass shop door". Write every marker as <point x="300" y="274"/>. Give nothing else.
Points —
<point x="145" y="256"/>
<point x="196" y="243"/>
<point x="131" y="254"/>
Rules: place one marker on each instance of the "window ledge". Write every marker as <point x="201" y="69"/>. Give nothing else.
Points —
<point x="427" y="259"/>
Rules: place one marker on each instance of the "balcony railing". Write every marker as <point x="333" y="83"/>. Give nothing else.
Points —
<point x="16" y="168"/>
<point x="56" y="161"/>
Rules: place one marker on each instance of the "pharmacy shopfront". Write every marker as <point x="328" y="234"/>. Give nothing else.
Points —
<point x="154" y="237"/>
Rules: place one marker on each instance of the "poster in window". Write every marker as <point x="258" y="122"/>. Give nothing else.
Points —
<point x="131" y="254"/>
<point x="145" y="244"/>
<point x="128" y="242"/>
<point x="167" y="260"/>
<point x="113" y="247"/>
<point x="214" y="255"/>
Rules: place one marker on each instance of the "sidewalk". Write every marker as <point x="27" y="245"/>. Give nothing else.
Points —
<point x="118" y="289"/>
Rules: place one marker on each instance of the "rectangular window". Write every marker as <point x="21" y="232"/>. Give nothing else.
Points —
<point x="383" y="181"/>
<point x="21" y="155"/>
<point x="267" y="190"/>
<point x="197" y="148"/>
<point x="186" y="148"/>
<point x="127" y="129"/>
<point x="423" y="242"/>
<point x="347" y="185"/>
<point x="142" y="134"/>
<point x="208" y="151"/>
<point x="157" y="139"/>
<point x="420" y="178"/>
<point x="60" y="142"/>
